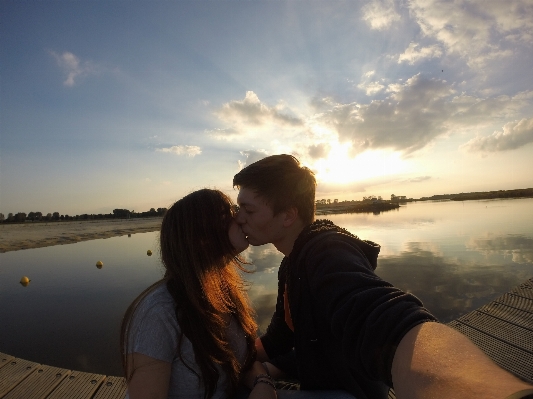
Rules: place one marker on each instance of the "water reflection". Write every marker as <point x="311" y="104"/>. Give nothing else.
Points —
<point x="518" y="247"/>
<point x="447" y="285"/>
<point x="454" y="256"/>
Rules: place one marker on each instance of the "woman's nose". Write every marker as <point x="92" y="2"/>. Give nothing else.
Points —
<point x="239" y="217"/>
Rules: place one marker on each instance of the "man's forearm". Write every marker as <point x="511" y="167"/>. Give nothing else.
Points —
<point x="435" y="361"/>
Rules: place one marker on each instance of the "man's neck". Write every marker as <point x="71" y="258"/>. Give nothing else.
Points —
<point x="286" y="244"/>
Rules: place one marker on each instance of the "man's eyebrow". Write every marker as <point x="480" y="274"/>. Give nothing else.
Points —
<point x="245" y="204"/>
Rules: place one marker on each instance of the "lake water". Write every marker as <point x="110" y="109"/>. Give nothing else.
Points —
<point x="455" y="256"/>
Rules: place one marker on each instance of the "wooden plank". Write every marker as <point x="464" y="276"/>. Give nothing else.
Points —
<point x="509" y="357"/>
<point x="505" y="311"/>
<point x="4" y="359"/>
<point x="78" y="385"/>
<point x="525" y="289"/>
<point x="13" y="373"/>
<point x="39" y="384"/>
<point x="112" y="388"/>
<point x="502" y="330"/>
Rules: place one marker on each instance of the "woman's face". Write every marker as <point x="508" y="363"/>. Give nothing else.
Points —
<point x="237" y="237"/>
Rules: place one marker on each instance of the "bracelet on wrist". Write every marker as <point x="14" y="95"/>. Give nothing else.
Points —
<point x="258" y="376"/>
<point x="265" y="381"/>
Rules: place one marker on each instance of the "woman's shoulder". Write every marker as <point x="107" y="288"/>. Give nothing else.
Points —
<point x="158" y="293"/>
<point x="156" y="301"/>
<point x="154" y="329"/>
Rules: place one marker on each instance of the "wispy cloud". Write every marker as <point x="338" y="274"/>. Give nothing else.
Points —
<point x="223" y="134"/>
<point x="188" y="150"/>
<point x="419" y="179"/>
<point x="478" y="31"/>
<point x="74" y="68"/>
<point x="380" y="14"/>
<point x="371" y="88"/>
<point x="414" y="53"/>
<point x="513" y="135"/>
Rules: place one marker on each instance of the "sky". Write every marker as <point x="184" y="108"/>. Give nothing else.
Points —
<point x="134" y="104"/>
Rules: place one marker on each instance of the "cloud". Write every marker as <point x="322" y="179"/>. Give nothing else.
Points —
<point x="189" y="150"/>
<point x="223" y="134"/>
<point x="419" y="179"/>
<point x="320" y="150"/>
<point x="415" y="112"/>
<point x="73" y="67"/>
<point x="514" y="135"/>
<point x="251" y="157"/>
<point x="371" y="88"/>
<point x="380" y="14"/>
<point x="252" y="113"/>
<point x="414" y="54"/>
<point x="478" y="31"/>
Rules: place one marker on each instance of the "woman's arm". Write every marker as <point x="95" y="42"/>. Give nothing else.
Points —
<point x="259" y="380"/>
<point x="150" y="379"/>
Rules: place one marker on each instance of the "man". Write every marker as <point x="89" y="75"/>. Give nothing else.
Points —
<point x="347" y="328"/>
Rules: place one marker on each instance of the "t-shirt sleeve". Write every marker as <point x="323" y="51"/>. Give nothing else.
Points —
<point x="154" y="331"/>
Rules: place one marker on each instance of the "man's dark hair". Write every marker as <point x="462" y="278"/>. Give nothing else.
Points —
<point x="283" y="182"/>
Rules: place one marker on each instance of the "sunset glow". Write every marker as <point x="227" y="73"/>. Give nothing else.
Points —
<point x="340" y="168"/>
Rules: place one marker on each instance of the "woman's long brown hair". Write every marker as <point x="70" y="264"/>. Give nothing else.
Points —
<point x="202" y="275"/>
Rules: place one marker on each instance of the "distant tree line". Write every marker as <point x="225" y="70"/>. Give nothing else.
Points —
<point x="21" y="217"/>
<point x="369" y="199"/>
<point x="373" y="199"/>
<point x="517" y="193"/>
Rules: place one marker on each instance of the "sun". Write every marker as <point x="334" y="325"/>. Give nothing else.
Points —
<point x="340" y="168"/>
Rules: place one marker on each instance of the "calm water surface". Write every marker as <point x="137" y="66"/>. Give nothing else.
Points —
<point x="455" y="256"/>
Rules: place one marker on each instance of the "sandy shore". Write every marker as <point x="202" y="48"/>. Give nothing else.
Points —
<point x="14" y="237"/>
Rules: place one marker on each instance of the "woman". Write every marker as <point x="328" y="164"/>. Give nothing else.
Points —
<point x="191" y="334"/>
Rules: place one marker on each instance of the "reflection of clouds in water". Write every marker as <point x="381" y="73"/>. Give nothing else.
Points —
<point x="265" y="258"/>
<point x="518" y="247"/>
<point x="264" y="309"/>
<point x="423" y="247"/>
<point x="447" y="287"/>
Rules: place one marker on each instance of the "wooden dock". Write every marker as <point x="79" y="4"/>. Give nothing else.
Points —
<point x="503" y="329"/>
<point x="22" y="379"/>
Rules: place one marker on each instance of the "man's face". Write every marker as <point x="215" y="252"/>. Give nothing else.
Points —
<point x="257" y="219"/>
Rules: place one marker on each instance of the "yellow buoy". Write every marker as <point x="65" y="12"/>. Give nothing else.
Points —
<point x="99" y="264"/>
<point x="24" y="281"/>
<point x="149" y="252"/>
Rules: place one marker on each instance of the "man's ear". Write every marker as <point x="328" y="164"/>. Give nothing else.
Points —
<point x="291" y="215"/>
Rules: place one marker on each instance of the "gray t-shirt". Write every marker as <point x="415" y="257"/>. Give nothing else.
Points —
<point x="154" y="332"/>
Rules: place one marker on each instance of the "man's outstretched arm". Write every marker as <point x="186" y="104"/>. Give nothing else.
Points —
<point x="435" y="361"/>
